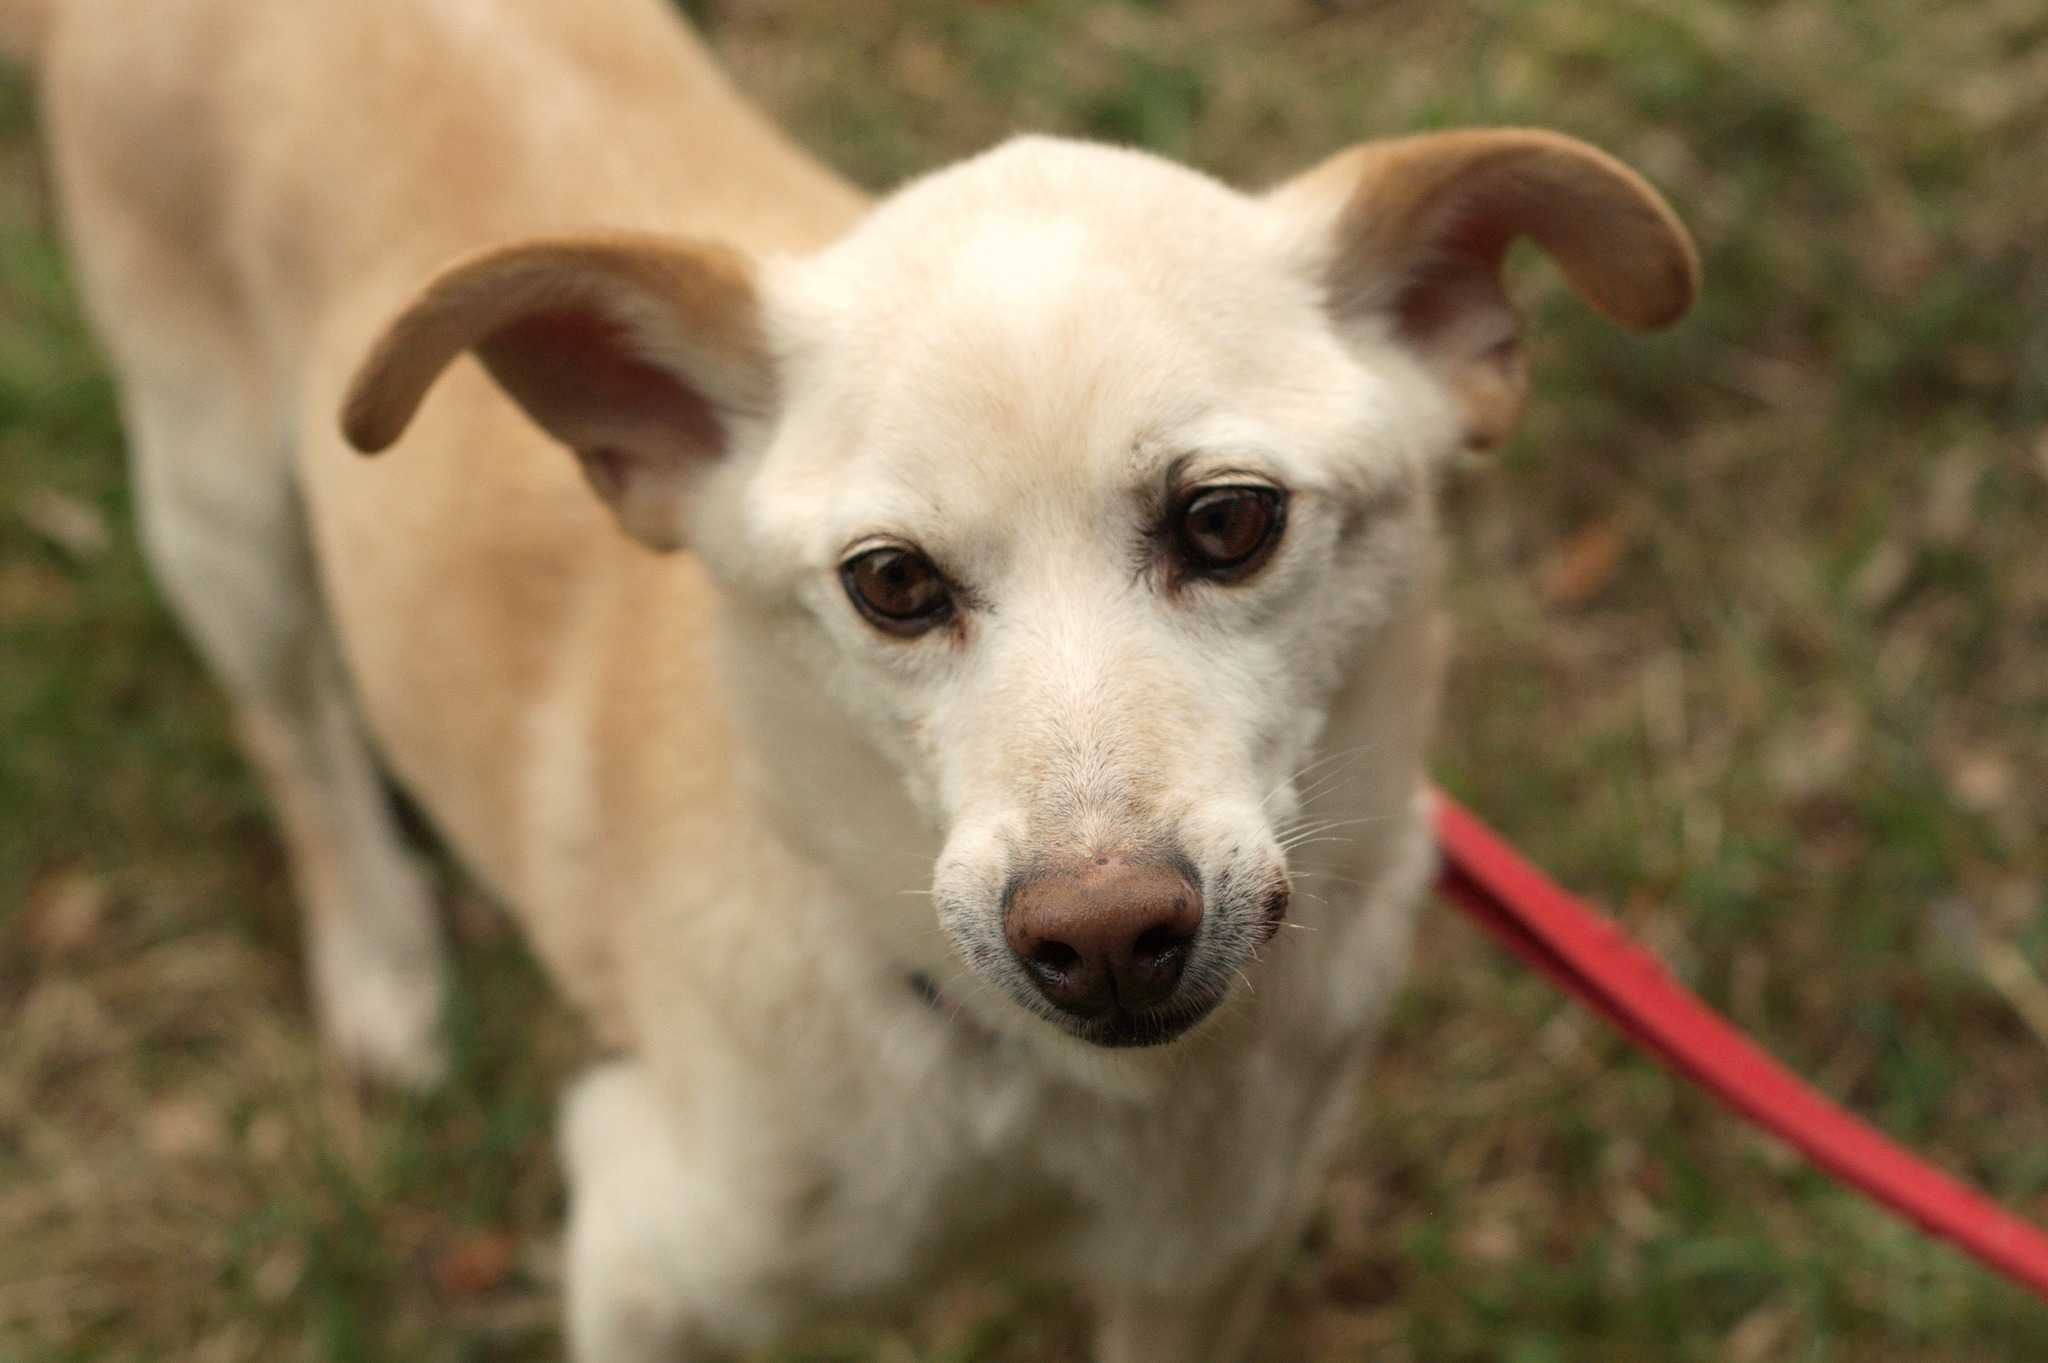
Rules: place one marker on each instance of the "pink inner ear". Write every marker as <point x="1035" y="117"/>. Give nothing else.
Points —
<point x="577" y="373"/>
<point x="1456" y="315"/>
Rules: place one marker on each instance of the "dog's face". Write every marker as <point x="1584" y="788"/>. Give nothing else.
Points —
<point x="1071" y="484"/>
<point x="1081" y="518"/>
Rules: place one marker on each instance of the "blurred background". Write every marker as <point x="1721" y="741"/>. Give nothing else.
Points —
<point x="1752" y="644"/>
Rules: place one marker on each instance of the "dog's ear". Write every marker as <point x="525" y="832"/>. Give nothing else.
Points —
<point x="1415" y="228"/>
<point x="638" y="353"/>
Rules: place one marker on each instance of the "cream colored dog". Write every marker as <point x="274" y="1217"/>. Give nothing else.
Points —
<point x="1055" y="621"/>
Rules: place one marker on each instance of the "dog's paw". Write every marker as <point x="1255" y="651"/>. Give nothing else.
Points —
<point x="386" y="1027"/>
<point x="379" y="1006"/>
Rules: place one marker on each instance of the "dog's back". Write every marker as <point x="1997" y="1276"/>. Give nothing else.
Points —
<point x="251" y="189"/>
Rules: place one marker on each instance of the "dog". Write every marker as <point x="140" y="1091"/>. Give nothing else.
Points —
<point x="941" y="680"/>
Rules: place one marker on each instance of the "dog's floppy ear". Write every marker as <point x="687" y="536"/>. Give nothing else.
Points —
<point x="1416" y="227"/>
<point x="638" y="353"/>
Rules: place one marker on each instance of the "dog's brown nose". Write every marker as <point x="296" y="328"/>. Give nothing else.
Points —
<point x="1110" y="933"/>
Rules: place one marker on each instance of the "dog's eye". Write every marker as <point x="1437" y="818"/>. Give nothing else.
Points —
<point x="897" y="589"/>
<point x="1227" y="532"/>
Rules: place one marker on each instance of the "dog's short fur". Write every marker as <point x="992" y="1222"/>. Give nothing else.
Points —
<point x="774" y="850"/>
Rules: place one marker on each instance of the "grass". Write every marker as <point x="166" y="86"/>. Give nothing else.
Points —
<point x="1753" y="644"/>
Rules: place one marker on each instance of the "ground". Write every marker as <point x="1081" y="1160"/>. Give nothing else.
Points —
<point x="1752" y="645"/>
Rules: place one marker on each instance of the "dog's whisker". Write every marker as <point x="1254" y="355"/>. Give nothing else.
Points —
<point x="1305" y="768"/>
<point x="1332" y="781"/>
<point x="1348" y="882"/>
<point x="1310" y="827"/>
<point x="1304" y="825"/>
<point x="1381" y="817"/>
<point x="1294" y="835"/>
<point x="1328" y="784"/>
<point x="1303" y="771"/>
<point x="1311" y="842"/>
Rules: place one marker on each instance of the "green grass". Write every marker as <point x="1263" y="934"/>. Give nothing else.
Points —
<point x="1791" y="736"/>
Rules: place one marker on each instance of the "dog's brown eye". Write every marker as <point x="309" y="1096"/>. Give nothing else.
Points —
<point x="1226" y="532"/>
<point x="898" y="589"/>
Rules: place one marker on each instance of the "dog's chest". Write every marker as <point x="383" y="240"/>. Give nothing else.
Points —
<point x="931" y="1161"/>
<point x="956" y="1153"/>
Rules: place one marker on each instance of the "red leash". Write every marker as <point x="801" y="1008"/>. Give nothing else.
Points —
<point x="1589" y="956"/>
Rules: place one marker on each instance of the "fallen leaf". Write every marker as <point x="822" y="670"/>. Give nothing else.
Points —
<point x="64" y="911"/>
<point x="1817" y="754"/>
<point x="2014" y="977"/>
<point x="475" y="1264"/>
<point x="1980" y="366"/>
<point x="1491" y="1241"/>
<point x="279" y="1273"/>
<point x="1949" y="510"/>
<point x="73" y="525"/>
<point x="269" y="1138"/>
<point x="30" y="591"/>
<point x="1760" y="1334"/>
<point x="1983" y="781"/>
<point x="184" y="1128"/>
<point x="923" y="67"/>
<point x="1587" y="563"/>
<point x="1883" y="576"/>
<point x="1359" y="1281"/>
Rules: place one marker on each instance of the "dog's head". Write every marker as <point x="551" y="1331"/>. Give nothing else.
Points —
<point x="1058" y="504"/>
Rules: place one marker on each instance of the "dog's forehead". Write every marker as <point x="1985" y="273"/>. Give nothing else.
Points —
<point x="1115" y="192"/>
<point x="1053" y="304"/>
<point x="1017" y="351"/>
<point x="1037" y="343"/>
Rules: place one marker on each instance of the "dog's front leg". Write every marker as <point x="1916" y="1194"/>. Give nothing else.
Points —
<point x="1216" y="1324"/>
<point x="662" y="1266"/>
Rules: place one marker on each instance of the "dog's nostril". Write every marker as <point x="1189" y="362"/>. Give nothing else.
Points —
<point x="1056" y="957"/>
<point x="1156" y="943"/>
